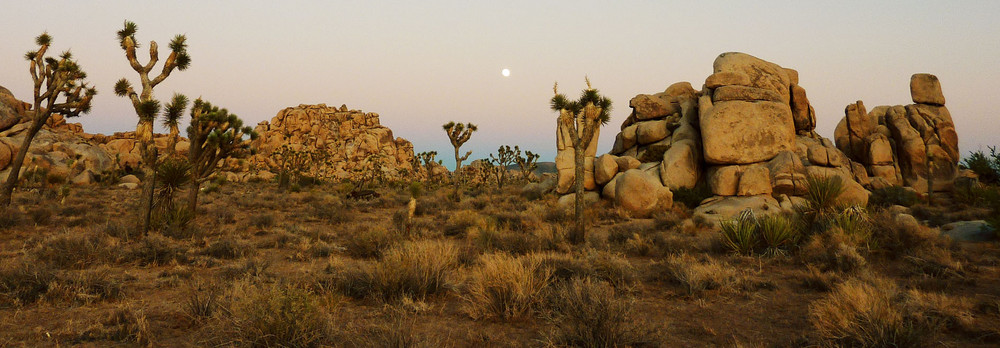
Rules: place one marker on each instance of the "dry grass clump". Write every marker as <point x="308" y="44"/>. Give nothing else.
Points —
<point x="698" y="276"/>
<point x="270" y="315"/>
<point x="876" y="313"/>
<point x="504" y="287"/>
<point x="252" y="268"/>
<point x="834" y="250"/>
<point x="10" y="217"/>
<point x="413" y="269"/>
<point x="461" y="222"/>
<point x="590" y="313"/>
<point x="86" y="287"/>
<point x="125" y="324"/>
<point x="370" y="240"/>
<point x="73" y="250"/>
<point x="228" y="248"/>
<point x="154" y="249"/>
<point x="332" y="210"/>
<point x="491" y="237"/>
<point x="23" y="281"/>
<point x="589" y="263"/>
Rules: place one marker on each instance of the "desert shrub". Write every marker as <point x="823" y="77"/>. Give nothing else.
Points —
<point x="370" y="241"/>
<point x="175" y="222"/>
<point x="201" y="302"/>
<point x="892" y="195"/>
<point x="600" y="265"/>
<point x="124" y="324"/>
<point x="692" y="197"/>
<point x="667" y="219"/>
<point x="394" y="331"/>
<point x="490" y="237"/>
<point x="10" y="217"/>
<point x="816" y="279"/>
<point x="590" y="313"/>
<point x="23" y="281"/>
<point x="40" y="215"/>
<point x="855" y="222"/>
<point x="262" y="220"/>
<point x="698" y="276"/>
<point x="935" y="262"/>
<point x="274" y="315"/>
<point x="504" y="287"/>
<point x="228" y="248"/>
<point x="987" y="167"/>
<point x="833" y="249"/>
<point x="461" y="222"/>
<point x="72" y="250"/>
<point x="332" y="210"/>
<point x="747" y="234"/>
<point x="876" y="313"/>
<point x="898" y="236"/>
<point x="224" y="214"/>
<point x="86" y="287"/>
<point x="414" y="269"/>
<point x="252" y="268"/>
<point x="154" y="250"/>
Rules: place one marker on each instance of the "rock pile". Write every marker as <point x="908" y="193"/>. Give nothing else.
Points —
<point x="904" y="145"/>
<point x="350" y="140"/>
<point x="749" y="135"/>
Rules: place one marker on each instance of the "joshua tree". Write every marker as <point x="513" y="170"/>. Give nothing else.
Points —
<point x="505" y="157"/>
<point x="171" y="119"/>
<point x="458" y="134"/>
<point x="581" y="117"/>
<point x="215" y="135"/>
<point x="146" y="107"/>
<point x="59" y="88"/>
<point x="527" y="164"/>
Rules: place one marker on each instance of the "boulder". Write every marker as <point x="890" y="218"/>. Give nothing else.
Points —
<point x="605" y="168"/>
<point x="130" y="179"/>
<point x="128" y="185"/>
<point x="6" y="155"/>
<point x="627" y="162"/>
<point x="648" y="107"/>
<point x="640" y="193"/>
<point x="724" y="180"/>
<point x="718" y="209"/>
<point x="970" y="231"/>
<point x="651" y="131"/>
<point x="727" y="78"/>
<point x="569" y="200"/>
<point x="762" y="74"/>
<point x="744" y="93"/>
<point x="681" y="165"/>
<point x="738" y="132"/>
<point x="678" y="89"/>
<point x="85" y="177"/>
<point x="608" y="192"/>
<point x="802" y="113"/>
<point x="755" y="180"/>
<point x="926" y="89"/>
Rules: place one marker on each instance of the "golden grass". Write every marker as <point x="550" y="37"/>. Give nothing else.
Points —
<point x="504" y="287"/>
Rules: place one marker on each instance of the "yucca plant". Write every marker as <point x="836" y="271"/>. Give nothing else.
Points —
<point x="854" y="222"/>
<point x="777" y="232"/>
<point x="145" y="105"/>
<point x="582" y="117"/>
<point x="458" y="134"/>
<point x="821" y="200"/>
<point x="172" y="174"/>
<point x="59" y="88"/>
<point x="215" y="135"/>
<point x="171" y="119"/>
<point x="740" y="234"/>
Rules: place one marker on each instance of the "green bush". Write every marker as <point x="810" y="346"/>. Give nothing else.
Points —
<point x="892" y="195"/>
<point x="987" y="167"/>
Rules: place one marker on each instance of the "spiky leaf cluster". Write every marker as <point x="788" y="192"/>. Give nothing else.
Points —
<point x="58" y="82"/>
<point x="589" y="96"/>
<point x="215" y="134"/>
<point x="174" y="110"/>
<point x="459" y="133"/>
<point x="141" y="100"/>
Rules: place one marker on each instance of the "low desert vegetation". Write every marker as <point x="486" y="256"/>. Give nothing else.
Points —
<point x="260" y="267"/>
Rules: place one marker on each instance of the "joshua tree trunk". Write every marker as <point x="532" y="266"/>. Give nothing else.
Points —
<point x="579" y="230"/>
<point x="15" y="165"/>
<point x="149" y="154"/>
<point x="458" y="161"/>
<point x="192" y="202"/>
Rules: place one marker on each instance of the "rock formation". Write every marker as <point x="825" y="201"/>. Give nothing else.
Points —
<point x="749" y="135"/>
<point x="349" y="139"/>
<point x="904" y="145"/>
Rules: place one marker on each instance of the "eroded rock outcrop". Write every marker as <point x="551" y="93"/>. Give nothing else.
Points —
<point x="914" y="145"/>
<point x="351" y="140"/>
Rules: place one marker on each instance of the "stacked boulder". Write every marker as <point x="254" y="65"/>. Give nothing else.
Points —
<point x="749" y="135"/>
<point x="349" y="139"/>
<point x="914" y="145"/>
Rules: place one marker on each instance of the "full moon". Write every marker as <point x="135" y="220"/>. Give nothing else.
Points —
<point x="505" y="72"/>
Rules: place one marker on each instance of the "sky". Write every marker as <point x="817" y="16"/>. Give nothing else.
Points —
<point x="420" y="64"/>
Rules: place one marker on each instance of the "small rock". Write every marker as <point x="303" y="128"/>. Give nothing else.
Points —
<point x="969" y="231"/>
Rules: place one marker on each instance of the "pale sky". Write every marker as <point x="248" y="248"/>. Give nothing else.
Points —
<point x="420" y="64"/>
